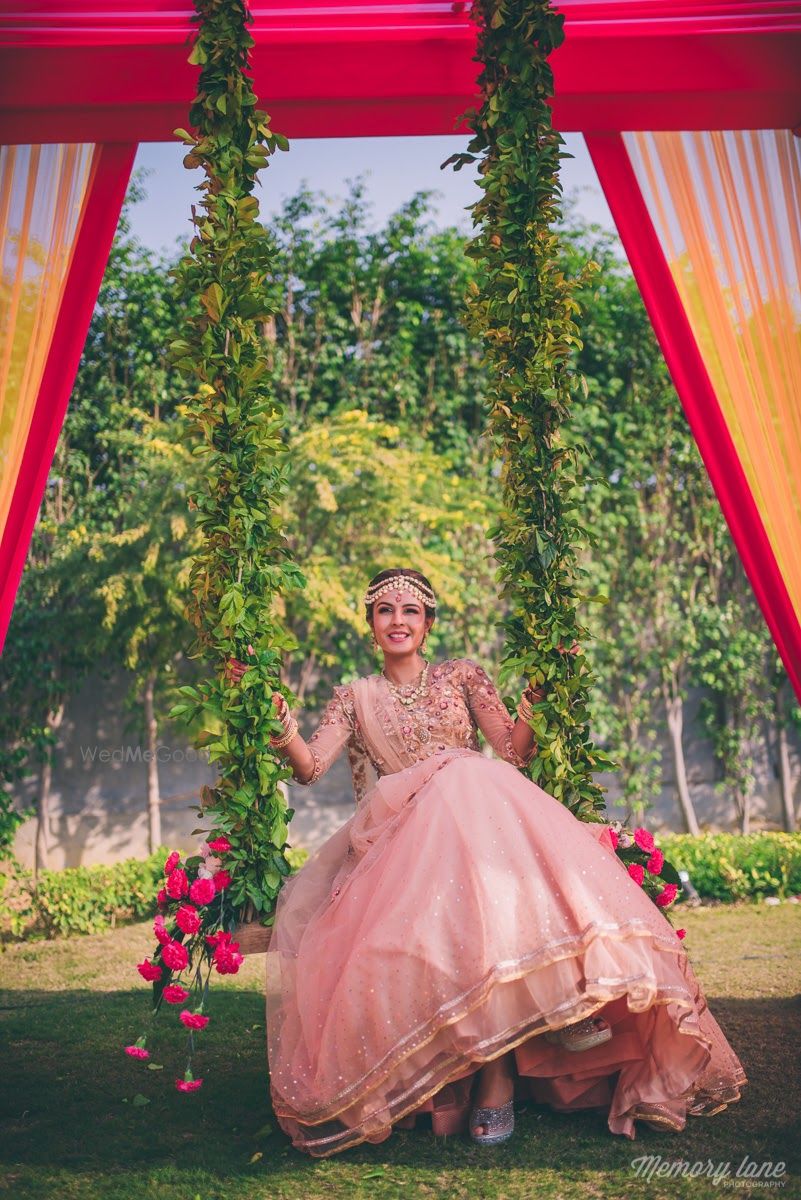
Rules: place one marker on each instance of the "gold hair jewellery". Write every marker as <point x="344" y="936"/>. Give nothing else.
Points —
<point x="401" y="583"/>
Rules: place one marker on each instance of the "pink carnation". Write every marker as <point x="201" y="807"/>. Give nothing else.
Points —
<point x="177" y="883"/>
<point x="172" y="862"/>
<point x="656" y="862"/>
<point x="636" y="872"/>
<point x="162" y="898"/>
<point x="149" y="970"/>
<point x="175" y="994"/>
<point x="220" y="845"/>
<point x="667" y="895"/>
<point x="202" y="891"/>
<point x="644" y="840"/>
<point x="614" y="837"/>
<point x="175" y="956"/>
<point x="188" y="1085"/>
<point x="222" y="880"/>
<point x="194" y="1020"/>
<point x="226" y="959"/>
<point x="188" y="918"/>
<point x="681" y="933"/>
<point x="160" y="930"/>
<point x="221" y="937"/>
<point x="137" y="1052"/>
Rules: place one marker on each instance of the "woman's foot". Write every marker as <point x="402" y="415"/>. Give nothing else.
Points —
<point x="581" y="1035"/>
<point x="492" y="1118"/>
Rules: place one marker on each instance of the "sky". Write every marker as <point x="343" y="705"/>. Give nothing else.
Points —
<point x="395" y="168"/>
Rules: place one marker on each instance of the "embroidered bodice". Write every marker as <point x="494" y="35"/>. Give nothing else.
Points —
<point x="460" y="699"/>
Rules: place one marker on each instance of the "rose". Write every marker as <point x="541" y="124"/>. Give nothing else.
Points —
<point x="667" y="895"/>
<point x="160" y="930"/>
<point x="194" y="1020"/>
<point x="220" y="845"/>
<point x="222" y="880"/>
<point x="656" y="862"/>
<point x="636" y="872"/>
<point x="644" y="840"/>
<point x="172" y="862"/>
<point x="175" y="994"/>
<point x="149" y="970"/>
<point x="175" y="956"/>
<point x="188" y="919"/>
<point x="202" y="891"/>
<point x="177" y="883"/>
<point x="613" y="835"/>
<point x="681" y="933"/>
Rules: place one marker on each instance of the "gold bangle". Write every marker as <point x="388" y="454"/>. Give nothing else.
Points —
<point x="285" y="738"/>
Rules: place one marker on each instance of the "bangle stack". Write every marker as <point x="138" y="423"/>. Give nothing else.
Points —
<point x="524" y="709"/>
<point x="286" y="737"/>
<point x="290" y="729"/>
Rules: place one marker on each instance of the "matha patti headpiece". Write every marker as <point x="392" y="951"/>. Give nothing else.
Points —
<point x="404" y="584"/>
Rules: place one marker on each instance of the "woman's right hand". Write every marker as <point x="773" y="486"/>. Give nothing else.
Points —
<point x="282" y="708"/>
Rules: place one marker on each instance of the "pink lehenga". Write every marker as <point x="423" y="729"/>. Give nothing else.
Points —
<point x="459" y="913"/>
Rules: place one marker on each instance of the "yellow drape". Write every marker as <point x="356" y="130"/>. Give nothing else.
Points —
<point x="42" y="192"/>
<point x="727" y="209"/>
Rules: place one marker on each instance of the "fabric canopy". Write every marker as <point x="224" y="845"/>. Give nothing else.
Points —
<point x="709" y="220"/>
<point x="727" y="209"/>
<point x="42" y="194"/>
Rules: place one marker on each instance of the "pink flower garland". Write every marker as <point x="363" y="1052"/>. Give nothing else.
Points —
<point x="190" y="906"/>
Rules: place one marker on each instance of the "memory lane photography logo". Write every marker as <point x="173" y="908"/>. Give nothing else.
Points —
<point x="746" y="1174"/>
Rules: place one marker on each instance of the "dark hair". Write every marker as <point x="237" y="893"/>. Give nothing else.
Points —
<point x="417" y="576"/>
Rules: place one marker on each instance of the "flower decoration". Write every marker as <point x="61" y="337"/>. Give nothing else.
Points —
<point x="646" y="865"/>
<point x="193" y="927"/>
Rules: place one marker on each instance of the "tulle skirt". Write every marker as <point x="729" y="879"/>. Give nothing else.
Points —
<point x="460" y="913"/>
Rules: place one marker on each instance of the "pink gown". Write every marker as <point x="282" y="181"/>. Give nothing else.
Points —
<point x="462" y="912"/>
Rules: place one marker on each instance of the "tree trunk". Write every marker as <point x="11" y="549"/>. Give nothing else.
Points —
<point x="743" y="805"/>
<point x="153" y="794"/>
<point x="40" y="861"/>
<point x="675" y="720"/>
<point x="785" y="773"/>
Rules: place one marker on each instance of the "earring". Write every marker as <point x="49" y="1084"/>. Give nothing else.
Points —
<point x="375" y="644"/>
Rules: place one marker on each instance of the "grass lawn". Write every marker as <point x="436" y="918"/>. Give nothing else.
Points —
<point x="70" y="1127"/>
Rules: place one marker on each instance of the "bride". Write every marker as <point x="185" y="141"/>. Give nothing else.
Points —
<point x="463" y="940"/>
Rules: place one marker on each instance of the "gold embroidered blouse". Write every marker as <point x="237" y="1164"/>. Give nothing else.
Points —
<point x="460" y="699"/>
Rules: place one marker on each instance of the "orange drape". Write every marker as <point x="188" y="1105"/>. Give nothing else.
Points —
<point x="42" y="191"/>
<point x="727" y="209"/>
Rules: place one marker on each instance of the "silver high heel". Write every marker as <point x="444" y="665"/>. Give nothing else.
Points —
<point x="500" y="1124"/>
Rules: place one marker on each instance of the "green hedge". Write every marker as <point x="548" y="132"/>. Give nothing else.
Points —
<point x="722" y="866"/>
<point x="732" y="866"/>
<point x="85" y="899"/>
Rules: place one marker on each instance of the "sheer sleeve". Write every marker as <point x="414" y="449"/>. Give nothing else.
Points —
<point x="490" y="713"/>
<point x="332" y="734"/>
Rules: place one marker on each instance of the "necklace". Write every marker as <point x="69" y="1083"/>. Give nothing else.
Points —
<point x="408" y="698"/>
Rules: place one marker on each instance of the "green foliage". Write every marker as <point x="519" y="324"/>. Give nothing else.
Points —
<point x="372" y="320"/>
<point x="523" y="308"/>
<point x="244" y="563"/>
<point x="725" y="866"/>
<point x="342" y="513"/>
<point x="81" y="899"/>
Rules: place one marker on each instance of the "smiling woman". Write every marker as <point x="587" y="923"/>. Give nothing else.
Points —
<point x="459" y="914"/>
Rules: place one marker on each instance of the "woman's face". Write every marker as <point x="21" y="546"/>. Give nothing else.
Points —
<point x="399" y="623"/>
